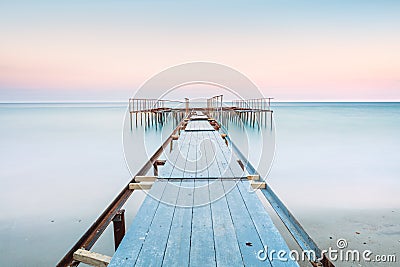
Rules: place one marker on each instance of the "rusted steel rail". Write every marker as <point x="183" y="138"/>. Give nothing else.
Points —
<point x="90" y="237"/>
<point x="301" y="237"/>
<point x="215" y="107"/>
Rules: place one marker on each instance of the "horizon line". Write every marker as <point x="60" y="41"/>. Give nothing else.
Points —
<point x="121" y="101"/>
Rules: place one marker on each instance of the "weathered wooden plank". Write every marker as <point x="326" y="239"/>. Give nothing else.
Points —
<point x="226" y="245"/>
<point x="223" y="166"/>
<point x="181" y="157"/>
<point x="165" y="170"/>
<point x="202" y="249"/>
<point x="152" y="252"/>
<point x="194" y="230"/>
<point x="249" y="241"/>
<point x="131" y="244"/>
<point x="227" y="159"/>
<point x="191" y="155"/>
<point x="145" y="178"/>
<point x="209" y="146"/>
<point x="189" y="126"/>
<point x="141" y="186"/>
<point x="178" y="245"/>
<point x="229" y="156"/>
<point x="171" y="156"/>
<point x="254" y="177"/>
<point x="258" y="185"/>
<point x="199" y="125"/>
<point x="196" y="125"/>
<point x="91" y="258"/>
<point x="266" y="229"/>
<point x="202" y="163"/>
<point x="199" y="116"/>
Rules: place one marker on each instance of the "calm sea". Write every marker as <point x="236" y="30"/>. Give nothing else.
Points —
<point x="62" y="164"/>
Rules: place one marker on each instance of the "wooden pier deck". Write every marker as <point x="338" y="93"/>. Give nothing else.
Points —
<point x="201" y="211"/>
<point x="201" y="208"/>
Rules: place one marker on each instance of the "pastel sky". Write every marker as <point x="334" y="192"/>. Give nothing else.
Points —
<point x="293" y="50"/>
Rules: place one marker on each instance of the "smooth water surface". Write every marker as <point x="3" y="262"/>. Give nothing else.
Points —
<point x="62" y="164"/>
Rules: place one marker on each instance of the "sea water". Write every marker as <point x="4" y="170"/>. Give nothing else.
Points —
<point x="61" y="164"/>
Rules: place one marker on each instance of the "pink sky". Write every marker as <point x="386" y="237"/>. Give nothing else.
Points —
<point x="337" y="57"/>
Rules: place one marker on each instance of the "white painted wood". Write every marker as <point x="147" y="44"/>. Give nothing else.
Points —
<point x="254" y="177"/>
<point x="141" y="186"/>
<point x="91" y="258"/>
<point x="145" y="178"/>
<point x="258" y="185"/>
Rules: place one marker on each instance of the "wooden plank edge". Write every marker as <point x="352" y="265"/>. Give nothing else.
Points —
<point x="258" y="185"/>
<point x="253" y="177"/>
<point x="141" y="186"/>
<point x="91" y="258"/>
<point x="139" y="178"/>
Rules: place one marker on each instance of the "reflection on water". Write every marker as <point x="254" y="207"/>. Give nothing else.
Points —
<point x="61" y="165"/>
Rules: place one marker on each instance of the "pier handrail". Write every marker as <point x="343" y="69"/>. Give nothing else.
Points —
<point x="253" y="104"/>
<point x="148" y="104"/>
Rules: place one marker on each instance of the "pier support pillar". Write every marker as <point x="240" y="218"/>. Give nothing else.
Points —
<point x="157" y="163"/>
<point x="119" y="227"/>
<point x="130" y="117"/>
<point x="187" y="106"/>
<point x="271" y="119"/>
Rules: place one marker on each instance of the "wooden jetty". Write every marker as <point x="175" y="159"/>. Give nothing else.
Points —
<point x="201" y="208"/>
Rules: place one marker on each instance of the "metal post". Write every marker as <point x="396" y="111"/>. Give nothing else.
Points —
<point x="119" y="227"/>
<point x="187" y="105"/>
<point x="271" y="119"/>
<point x="130" y="117"/>
<point x="130" y="111"/>
<point x="221" y="114"/>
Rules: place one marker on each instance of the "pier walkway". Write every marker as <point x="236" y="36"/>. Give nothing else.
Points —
<point x="201" y="207"/>
<point x="201" y="210"/>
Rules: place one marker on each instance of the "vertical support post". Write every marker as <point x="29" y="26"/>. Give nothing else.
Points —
<point x="271" y="119"/>
<point x="221" y="116"/>
<point x="155" y="168"/>
<point x="130" y="111"/>
<point x="187" y="105"/>
<point x="130" y="117"/>
<point x="119" y="227"/>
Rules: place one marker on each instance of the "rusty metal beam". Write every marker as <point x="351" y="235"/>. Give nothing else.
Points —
<point x="97" y="228"/>
<point x="90" y="237"/>
<point x="305" y="242"/>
